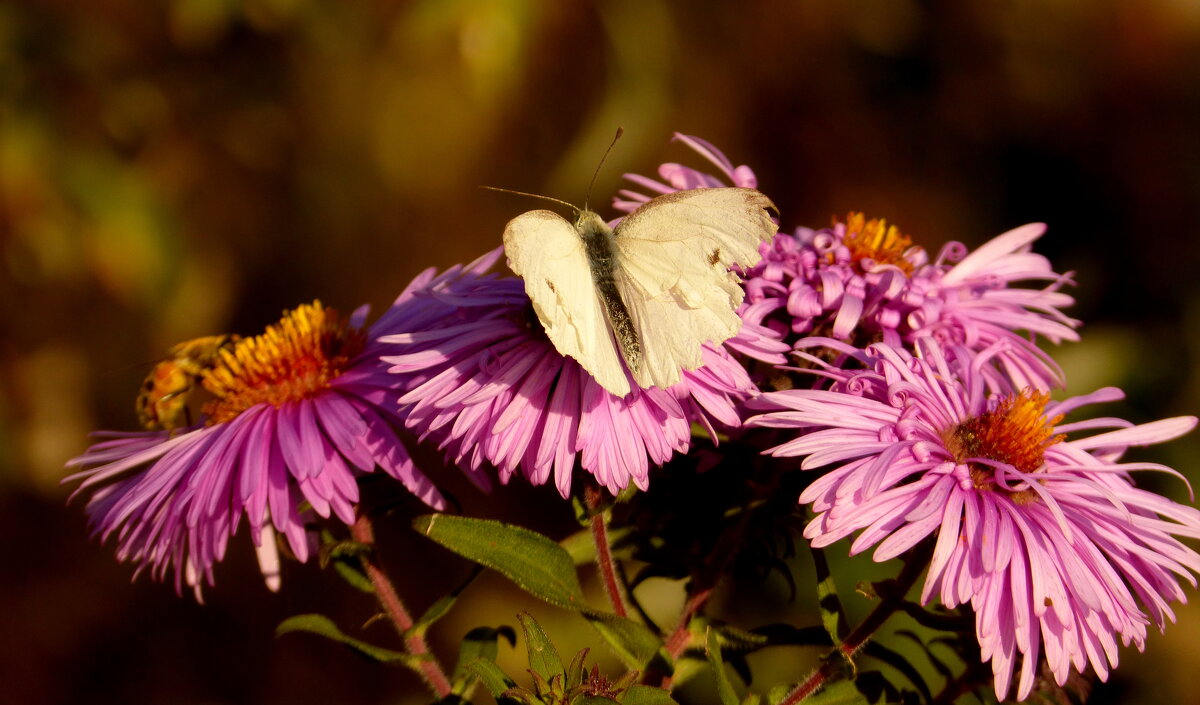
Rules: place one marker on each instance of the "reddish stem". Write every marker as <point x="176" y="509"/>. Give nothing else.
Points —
<point x="431" y="670"/>
<point x="679" y="638"/>
<point x="604" y="557"/>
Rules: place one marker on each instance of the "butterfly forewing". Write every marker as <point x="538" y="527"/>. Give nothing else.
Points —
<point x="547" y="252"/>
<point x="672" y="269"/>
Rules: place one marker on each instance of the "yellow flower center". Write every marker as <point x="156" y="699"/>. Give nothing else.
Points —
<point x="877" y="241"/>
<point x="1016" y="432"/>
<point x="294" y="359"/>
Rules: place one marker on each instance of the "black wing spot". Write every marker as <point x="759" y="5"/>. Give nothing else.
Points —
<point x="715" y="256"/>
<point x="551" y="285"/>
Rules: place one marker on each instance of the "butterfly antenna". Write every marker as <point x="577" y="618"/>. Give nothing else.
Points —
<point x="587" y="199"/>
<point x="533" y="195"/>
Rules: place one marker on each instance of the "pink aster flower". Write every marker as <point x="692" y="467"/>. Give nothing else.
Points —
<point x="1037" y="526"/>
<point x="480" y="378"/>
<point x="294" y="415"/>
<point x="862" y="281"/>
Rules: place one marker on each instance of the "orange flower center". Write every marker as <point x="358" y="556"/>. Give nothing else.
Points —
<point x="877" y="241"/>
<point x="294" y="359"/>
<point x="1016" y="432"/>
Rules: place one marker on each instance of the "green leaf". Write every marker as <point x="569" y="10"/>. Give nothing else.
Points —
<point x="646" y="695"/>
<point x="354" y="576"/>
<point x="870" y="688"/>
<point x="898" y="661"/>
<point x="535" y="563"/>
<point x="344" y="555"/>
<point x="839" y="693"/>
<point x="497" y="683"/>
<point x="833" y="615"/>
<point x="479" y="644"/>
<point x="632" y="641"/>
<point x="752" y="699"/>
<point x="724" y="687"/>
<point x="593" y="700"/>
<point x="575" y="671"/>
<point x="777" y="693"/>
<point x="581" y="545"/>
<point x="440" y="608"/>
<point x="321" y="625"/>
<point x="543" y="657"/>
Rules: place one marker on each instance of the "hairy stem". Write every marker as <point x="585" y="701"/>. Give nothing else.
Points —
<point x="604" y="558"/>
<point x="385" y="592"/>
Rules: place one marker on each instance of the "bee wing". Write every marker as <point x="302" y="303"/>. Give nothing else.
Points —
<point x="673" y="256"/>
<point x="547" y="252"/>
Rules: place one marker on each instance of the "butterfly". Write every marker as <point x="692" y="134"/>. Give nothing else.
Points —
<point x="651" y="291"/>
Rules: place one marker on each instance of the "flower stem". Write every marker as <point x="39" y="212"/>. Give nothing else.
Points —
<point x="857" y="639"/>
<point x="385" y="592"/>
<point x="604" y="557"/>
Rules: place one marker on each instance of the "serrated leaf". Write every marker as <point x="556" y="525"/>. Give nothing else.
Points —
<point x="481" y="643"/>
<point x="543" y="657"/>
<point x="724" y="687"/>
<point x="321" y="625"/>
<point x="632" y="641"/>
<point x="535" y="563"/>
<point x="646" y="695"/>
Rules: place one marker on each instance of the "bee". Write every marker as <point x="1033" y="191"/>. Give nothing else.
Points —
<point x="163" y="400"/>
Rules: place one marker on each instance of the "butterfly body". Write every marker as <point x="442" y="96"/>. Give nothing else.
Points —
<point x="600" y="243"/>
<point x="651" y="291"/>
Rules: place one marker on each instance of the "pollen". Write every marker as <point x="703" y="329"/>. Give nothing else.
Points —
<point x="1016" y="432"/>
<point x="294" y="359"/>
<point x="876" y="241"/>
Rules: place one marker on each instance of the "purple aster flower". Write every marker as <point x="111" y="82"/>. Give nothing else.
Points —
<point x="481" y="379"/>
<point x="294" y="414"/>
<point x="862" y="281"/>
<point x="1039" y="529"/>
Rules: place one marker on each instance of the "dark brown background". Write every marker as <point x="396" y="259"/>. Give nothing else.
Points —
<point x="176" y="169"/>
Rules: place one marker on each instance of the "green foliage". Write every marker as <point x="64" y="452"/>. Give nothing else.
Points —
<point x="633" y="643"/>
<point x="535" y="563"/>
<point x="543" y="569"/>
<point x="833" y="615"/>
<point x="555" y="684"/>
<point x="477" y="651"/>
<point x="724" y="687"/>
<point x="321" y="625"/>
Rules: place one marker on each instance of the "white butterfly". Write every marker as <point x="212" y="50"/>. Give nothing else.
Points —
<point x="652" y="291"/>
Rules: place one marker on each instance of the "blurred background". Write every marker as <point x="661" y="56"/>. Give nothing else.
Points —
<point x="187" y="167"/>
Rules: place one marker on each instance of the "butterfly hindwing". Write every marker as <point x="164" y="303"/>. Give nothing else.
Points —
<point x="547" y="252"/>
<point x="671" y="267"/>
